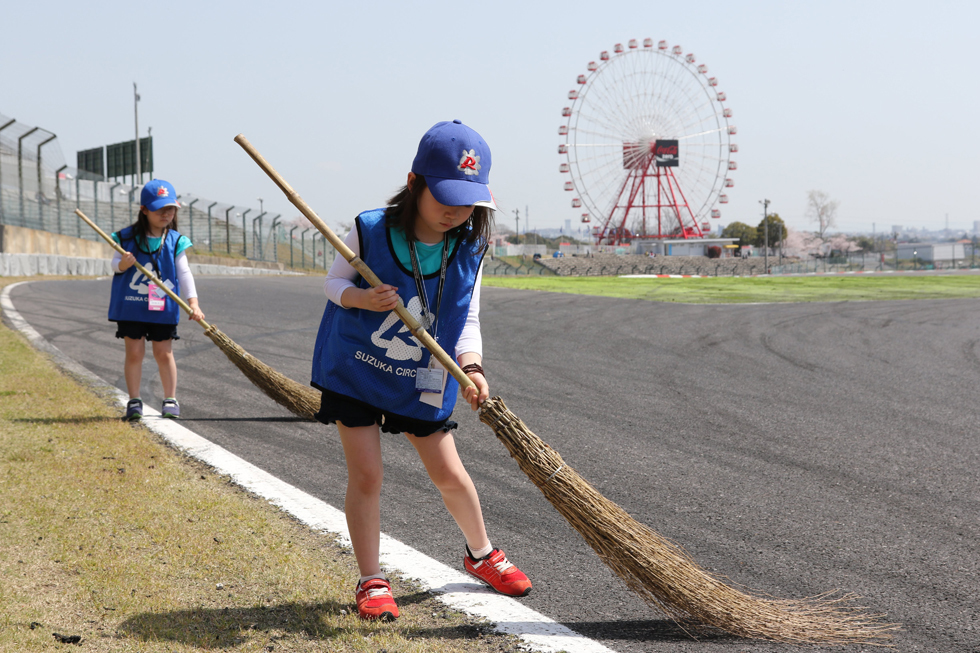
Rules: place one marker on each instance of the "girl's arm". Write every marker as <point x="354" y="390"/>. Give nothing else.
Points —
<point x="340" y="289"/>
<point x="186" y="281"/>
<point x="469" y="349"/>
<point x="122" y="263"/>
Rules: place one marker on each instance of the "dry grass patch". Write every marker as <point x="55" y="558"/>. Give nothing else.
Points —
<point x="109" y="535"/>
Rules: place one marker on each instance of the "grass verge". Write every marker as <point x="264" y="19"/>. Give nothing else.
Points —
<point x="726" y="290"/>
<point x="108" y="535"/>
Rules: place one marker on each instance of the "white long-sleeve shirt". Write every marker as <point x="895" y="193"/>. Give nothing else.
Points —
<point x="184" y="276"/>
<point x="342" y="274"/>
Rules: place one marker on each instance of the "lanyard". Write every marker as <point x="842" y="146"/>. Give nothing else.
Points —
<point x="420" y="284"/>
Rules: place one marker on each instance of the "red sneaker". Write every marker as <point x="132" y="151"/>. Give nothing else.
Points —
<point x="374" y="600"/>
<point x="499" y="573"/>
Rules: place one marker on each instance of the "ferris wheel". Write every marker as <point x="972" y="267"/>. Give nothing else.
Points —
<point x="646" y="144"/>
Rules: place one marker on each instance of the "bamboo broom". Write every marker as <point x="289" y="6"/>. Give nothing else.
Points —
<point x="299" y="399"/>
<point x="661" y="572"/>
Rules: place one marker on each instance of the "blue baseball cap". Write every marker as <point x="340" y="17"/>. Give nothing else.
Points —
<point x="158" y="194"/>
<point x="455" y="162"/>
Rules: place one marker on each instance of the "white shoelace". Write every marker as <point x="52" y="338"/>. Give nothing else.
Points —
<point x="377" y="591"/>
<point x="502" y="566"/>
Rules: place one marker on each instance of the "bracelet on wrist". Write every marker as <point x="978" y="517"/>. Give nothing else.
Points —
<point x="473" y="367"/>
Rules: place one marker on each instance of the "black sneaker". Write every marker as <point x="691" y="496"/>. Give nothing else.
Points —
<point x="171" y="409"/>
<point x="134" y="410"/>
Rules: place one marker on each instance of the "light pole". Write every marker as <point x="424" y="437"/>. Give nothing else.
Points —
<point x="260" y="204"/>
<point x="136" y="142"/>
<point x="517" y="229"/>
<point x="765" y="229"/>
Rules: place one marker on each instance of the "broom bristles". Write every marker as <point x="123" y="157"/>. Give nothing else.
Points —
<point x="303" y="401"/>
<point x="662" y="573"/>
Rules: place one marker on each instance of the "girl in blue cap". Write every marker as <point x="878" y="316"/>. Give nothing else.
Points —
<point x="428" y="243"/>
<point x="140" y="310"/>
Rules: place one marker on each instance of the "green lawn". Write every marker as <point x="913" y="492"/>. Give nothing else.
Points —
<point x="738" y="290"/>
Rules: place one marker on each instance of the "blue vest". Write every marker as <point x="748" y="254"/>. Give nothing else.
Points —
<point x="372" y="357"/>
<point x="130" y="289"/>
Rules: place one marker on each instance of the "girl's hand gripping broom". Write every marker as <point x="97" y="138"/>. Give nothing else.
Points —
<point x="299" y="399"/>
<point x="650" y="565"/>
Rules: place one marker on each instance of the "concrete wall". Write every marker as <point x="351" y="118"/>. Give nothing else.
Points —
<point x="19" y="240"/>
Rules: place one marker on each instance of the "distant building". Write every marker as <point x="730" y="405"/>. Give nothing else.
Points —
<point x="931" y="252"/>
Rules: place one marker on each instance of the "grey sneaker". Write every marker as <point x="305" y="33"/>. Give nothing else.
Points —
<point x="171" y="408"/>
<point x="134" y="410"/>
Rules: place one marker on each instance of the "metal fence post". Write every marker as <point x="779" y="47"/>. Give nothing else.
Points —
<point x="5" y="125"/>
<point x="261" y="256"/>
<point x="245" y="235"/>
<point x="57" y="193"/>
<point x="40" y="189"/>
<point x="95" y="201"/>
<point x="190" y="216"/>
<point x="302" y="246"/>
<point x="20" y="170"/>
<point x="112" y="205"/>
<point x="78" y="202"/>
<point x="291" y="248"/>
<point x="275" y="240"/>
<point x="228" y="229"/>
<point x="210" y="240"/>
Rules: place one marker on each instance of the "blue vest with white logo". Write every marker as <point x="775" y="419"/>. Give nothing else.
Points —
<point x="372" y="357"/>
<point x="130" y="289"/>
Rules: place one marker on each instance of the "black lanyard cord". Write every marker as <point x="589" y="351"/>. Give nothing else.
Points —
<point x="433" y="326"/>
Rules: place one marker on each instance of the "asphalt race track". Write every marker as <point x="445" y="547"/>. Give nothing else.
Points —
<point x="793" y="448"/>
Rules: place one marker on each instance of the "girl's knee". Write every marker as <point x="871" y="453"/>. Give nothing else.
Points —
<point x="365" y="481"/>
<point x="450" y="479"/>
<point x="162" y="350"/>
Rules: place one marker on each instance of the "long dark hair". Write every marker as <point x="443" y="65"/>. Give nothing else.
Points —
<point x="142" y="227"/>
<point x="403" y="209"/>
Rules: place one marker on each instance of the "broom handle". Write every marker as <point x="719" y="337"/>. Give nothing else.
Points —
<point x="149" y="275"/>
<point x="362" y="268"/>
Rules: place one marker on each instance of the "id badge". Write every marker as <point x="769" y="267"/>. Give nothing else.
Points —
<point x="434" y="397"/>
<point x="157" y="298"/>
<point x="428" y="379"/>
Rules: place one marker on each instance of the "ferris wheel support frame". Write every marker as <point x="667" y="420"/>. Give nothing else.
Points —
<point x="637" y="180"/>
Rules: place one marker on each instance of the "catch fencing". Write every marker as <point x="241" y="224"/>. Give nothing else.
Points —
<point x="39" y="190"/>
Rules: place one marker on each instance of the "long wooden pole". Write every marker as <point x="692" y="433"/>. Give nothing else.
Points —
<point x="149" y="275"/>
<point x="362" y="268"/>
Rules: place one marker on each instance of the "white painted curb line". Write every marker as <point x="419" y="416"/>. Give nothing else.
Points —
<point x="454" y="588"/>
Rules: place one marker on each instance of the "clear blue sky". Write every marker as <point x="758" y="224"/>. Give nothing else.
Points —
<point x="873" y="102"/>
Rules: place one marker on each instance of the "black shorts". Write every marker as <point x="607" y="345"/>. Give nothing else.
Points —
<point x="149" y="330"/>
<point x="352" y="413"/>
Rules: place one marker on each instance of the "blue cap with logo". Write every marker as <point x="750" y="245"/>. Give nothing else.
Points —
<point x="158" y="194"/>
<point x="455" y="162"/>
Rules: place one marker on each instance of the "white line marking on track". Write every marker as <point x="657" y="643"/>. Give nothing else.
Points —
<point x="454" y="588"/>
